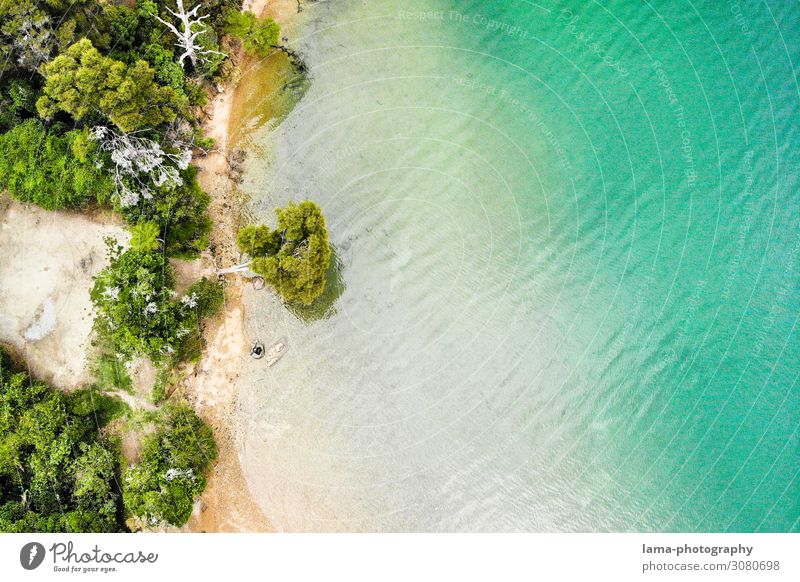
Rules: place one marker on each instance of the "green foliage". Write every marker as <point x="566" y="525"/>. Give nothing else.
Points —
<point x="295" y="257"/>
<point x="123" y="23"/>
<point x="207" y="297"/>
<point x="181" y="214"/>
<point x="209" y="66"/>
<point x="111" y="374"/>
<point x="259" y="240"/>
<point x="24" y="35"/>
<point x="164" y="379"/>
<point x="136" y="312"/>
<point x="257" y="36"/>
<point x="171" y="473"/>
<point x="56" y="475"/>
<point x="81" y="82"/>
<point x="168" y="71"/>
<point x="204" y="298"/>
<point x="78" y="64"/>
<point x="144" y="237"/>
<point x="17" y="103"/>
<point x="50" y="168"/>
<point x="134" y="307"/>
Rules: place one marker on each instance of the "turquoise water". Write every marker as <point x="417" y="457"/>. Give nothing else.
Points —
<point x="568" y="243"/>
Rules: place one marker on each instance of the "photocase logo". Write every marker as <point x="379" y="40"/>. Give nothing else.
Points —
<point x="31" y="555"/>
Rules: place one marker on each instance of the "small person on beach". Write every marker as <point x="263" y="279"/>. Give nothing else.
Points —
<point x="257" y="352"/>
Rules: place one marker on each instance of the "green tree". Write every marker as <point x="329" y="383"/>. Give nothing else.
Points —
<point x="294" y="257"/>
<point x="81" y="81"/>
<point x="181" y="214"/>
<point x="134" y="307"/>
<point x="172" y="470"/>
<point x="51" y="168"/>
<point x="123" y="22"/>
<point x="17" y="103"/>
<point x="257" y="36"/>
<point x="136" y="312"/>
<point x="144" y="237"/>
<point x="56" y="474"/>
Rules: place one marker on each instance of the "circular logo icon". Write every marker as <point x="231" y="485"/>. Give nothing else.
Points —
<point x="31" y="555"/>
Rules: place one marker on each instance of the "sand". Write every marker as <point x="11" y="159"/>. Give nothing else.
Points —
<point x="47" y="261"/>
<point x="211" y="385"/>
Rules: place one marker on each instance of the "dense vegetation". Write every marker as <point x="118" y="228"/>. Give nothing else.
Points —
<point x="51" y="167"/>
<point x="171" y="473"/>
<point x="96" y="105"/>
<point x="136" y="311"/>
<point x="56" y="473"/>
<point x="60" y="473"/>
<point x="257" y="36"/>
<point x="83" y="82"/>
<point x="295" y="256"/>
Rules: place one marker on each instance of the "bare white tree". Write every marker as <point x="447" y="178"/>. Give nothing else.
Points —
<point x="140" y="164"/>
<point x="34" y="41"/>
<point x="187" y="38"/>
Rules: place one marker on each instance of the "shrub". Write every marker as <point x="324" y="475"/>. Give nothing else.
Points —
<point x="111" y="373"/>
<point x="133" y="302"/>
<point x="171" y="473"/>
<point x="52" y="169"/>
<point x="257" y="36"/>
<point x="180" y="213"/>
<point x="136" y="312"/>
<point x="144" y="237"/>
<point x="17" y="103"/>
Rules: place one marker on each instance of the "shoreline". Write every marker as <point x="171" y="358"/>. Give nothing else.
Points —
<point x="227" y="504"/>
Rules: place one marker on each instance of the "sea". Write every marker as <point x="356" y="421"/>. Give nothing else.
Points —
<point x="566" y="284"/>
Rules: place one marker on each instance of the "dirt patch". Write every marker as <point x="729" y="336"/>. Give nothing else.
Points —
<point x="187" y="272"/>
<point x="47" y="262"/>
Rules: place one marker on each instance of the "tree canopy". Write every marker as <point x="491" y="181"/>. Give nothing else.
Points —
<point x="52" y="168"/>
<point x="81" y="81"/>
<point x="295" y="256"/>
<point x="136" y="311"/>
<point x="56" y="473"/>
<point x="171" y="472"/>
<point x="257" y="36"/>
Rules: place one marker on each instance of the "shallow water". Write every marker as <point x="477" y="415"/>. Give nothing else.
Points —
<point x="568" y="242"/>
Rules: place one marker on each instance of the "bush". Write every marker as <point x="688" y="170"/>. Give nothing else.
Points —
<point x="258" y="36"/>
<point x="295" y="257"/>
<point x="136" y="312"/>
<point x="52" y="169"/>
<point x="134" y="307"/>
<point x="144" y="237"/>
<point x="17" y="103"/>
<point x="171" y="473"/>
<point x="56" y="475"/>
<point x="203" y="299"/>
<point x="181" y="214"/>
<point x="111" y="374"/>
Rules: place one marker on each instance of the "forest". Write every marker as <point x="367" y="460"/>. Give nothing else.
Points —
<point x="100" y="108"/>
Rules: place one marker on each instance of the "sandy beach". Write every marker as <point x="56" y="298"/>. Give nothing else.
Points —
<point x="227" y="504"/>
